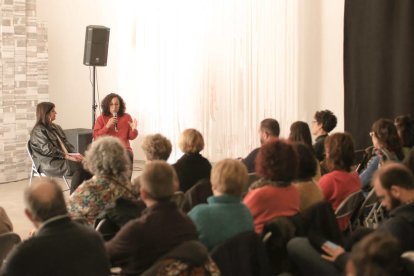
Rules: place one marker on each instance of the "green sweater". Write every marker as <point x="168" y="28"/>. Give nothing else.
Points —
<point x="222" y="218"/>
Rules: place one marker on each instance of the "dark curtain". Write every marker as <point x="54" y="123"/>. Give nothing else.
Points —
<point x="378" y="63"/>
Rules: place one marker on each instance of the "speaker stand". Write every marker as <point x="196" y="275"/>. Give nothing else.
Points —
<point x="94" y="105"/>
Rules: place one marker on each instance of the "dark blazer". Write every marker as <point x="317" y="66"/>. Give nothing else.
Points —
<point x="190" y="168"/>
<point x="319" y="147"/>
<point x="47" y="153"/>
<point x="250" y="160"/>
<point x="62" y="248"/>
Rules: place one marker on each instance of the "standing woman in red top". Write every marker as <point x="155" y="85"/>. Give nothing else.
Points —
<point x="115" y="122"/>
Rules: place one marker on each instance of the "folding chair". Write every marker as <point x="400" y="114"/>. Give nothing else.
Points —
<point x="349" y="206"/>
<point x="35" y="172"/>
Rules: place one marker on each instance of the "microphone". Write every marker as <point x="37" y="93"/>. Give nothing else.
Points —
<point x="116" y="120"/>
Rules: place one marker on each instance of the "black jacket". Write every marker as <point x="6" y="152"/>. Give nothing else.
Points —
<point x="190" y="168"/>
<point x="47" y="154"/>
<point x="62" y="248"/>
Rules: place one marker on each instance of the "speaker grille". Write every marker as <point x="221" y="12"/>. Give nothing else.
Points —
<point x="96" y="46"/>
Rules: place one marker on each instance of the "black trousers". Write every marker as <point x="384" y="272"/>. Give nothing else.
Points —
<point x="79" y="174"/>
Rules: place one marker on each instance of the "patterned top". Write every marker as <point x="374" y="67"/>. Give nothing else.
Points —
<point x="91" y="198"/>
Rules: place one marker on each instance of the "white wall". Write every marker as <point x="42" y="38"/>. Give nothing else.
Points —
<point x="320" y="57"/>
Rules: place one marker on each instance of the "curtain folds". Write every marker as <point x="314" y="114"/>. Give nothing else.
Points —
<point x="217" y="66"/>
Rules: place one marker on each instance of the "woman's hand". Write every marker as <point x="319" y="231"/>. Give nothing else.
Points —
<point x="75" y="158"/>
<point x="133" y="124"/>
<point x="332" y="252"/>
<point x="111" y="122"/>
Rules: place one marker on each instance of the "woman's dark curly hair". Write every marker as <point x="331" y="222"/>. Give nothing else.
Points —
<point x="387" y="134"/>
<point x="107" y="101"/>
<point x="339" y="150"/>
<point x="405" y="129"/>
<point x="277" y="161"/>
<point x="327" y="119"/>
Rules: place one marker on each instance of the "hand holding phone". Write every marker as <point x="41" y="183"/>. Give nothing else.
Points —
<point x="332" y="251"/>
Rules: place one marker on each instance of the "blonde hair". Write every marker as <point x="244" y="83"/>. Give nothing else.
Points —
<point x="108" y="157"/>
<point x="229" y="176"/>
<point x="158" y="179"/>
<point x="156" y="147"/>
<point x="191" y="141"/>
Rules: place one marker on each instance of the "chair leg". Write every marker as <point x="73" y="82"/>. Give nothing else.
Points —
<point x="66" y="182"/>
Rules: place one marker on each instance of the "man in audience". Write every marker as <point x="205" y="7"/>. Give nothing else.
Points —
<point x="269" y="129"/>
<point x="225" y="215"/>
<point x="60" y="246"/>
<point x="324" y="122"/>
<point x="160" y="228"/>
<point x="394" y="186"/>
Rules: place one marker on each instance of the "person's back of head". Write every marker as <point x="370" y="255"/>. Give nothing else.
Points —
<point x="395" y="174"/>
<point x="158" y="180"/>
<point x="108" y="157"/>
<point x="376" y="254"/>
<point x="191" y="141"/>
<point x="300" y="132"/>
<point x="339" y="151"/>
<point x="405" y="128"/>
<point x="326" y="119"/>
<point x="270" y="126"/>
<point x="156" y="147"/>
<point x="386" y="133"/>
<point x="44" y="200"/>
<point x="277" y="161"/>
<point x="307" y="162"/>
<point x="229" y="177"/>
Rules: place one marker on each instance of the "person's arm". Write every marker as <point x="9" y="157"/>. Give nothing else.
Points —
<point x="367" y="174"/>
<point x="336" y="254"/>
<point x="133" y="124"/>
<point x="100" y="127"/>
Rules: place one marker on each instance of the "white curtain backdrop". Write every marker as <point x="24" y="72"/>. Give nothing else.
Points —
<point x="220" y="66"/>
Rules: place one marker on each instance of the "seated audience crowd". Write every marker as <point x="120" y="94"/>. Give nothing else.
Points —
<point x="155" y="233"/>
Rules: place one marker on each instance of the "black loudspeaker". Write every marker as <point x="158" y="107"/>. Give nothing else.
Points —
<point x="96" y="46"/>
<point x="80" y="138"/>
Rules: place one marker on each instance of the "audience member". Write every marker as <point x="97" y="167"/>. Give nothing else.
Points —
<point x="5" y="223"/>
<point x="376" y="254"/>
<point x="192" y="166"/>
<point x="60" y="246"/>
<point x="225" y="215"/>
<point x="269" y="129"/>
<point x="394" y="186"/>
<point x="273" y="195"/>
<point x="405" y="129"/>
<point x="300" y="132"/>
<point x="156" y="147"/>
<point x="51" y="150"/>
<point x="324" y="122"/>
<point x="309" y="190"/>
<point x="114" y="121"/>
<point x="108" y="161"/>
<point x="340" y="182"/>
<point x="160" y="228"/>
<point x="386" y="147"/>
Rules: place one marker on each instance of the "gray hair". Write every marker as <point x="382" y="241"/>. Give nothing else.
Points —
<point x="108" y="157"/>
<point x="44" y="199"/>
<point x="156" y="147"/>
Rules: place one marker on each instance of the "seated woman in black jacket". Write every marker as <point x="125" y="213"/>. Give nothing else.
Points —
<point x="51" y="150"/>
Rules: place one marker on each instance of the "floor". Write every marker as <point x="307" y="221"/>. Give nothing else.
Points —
<point x="11" y="199"/>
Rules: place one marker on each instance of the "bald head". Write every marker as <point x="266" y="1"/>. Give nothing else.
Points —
<point x="44" y="199"/>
